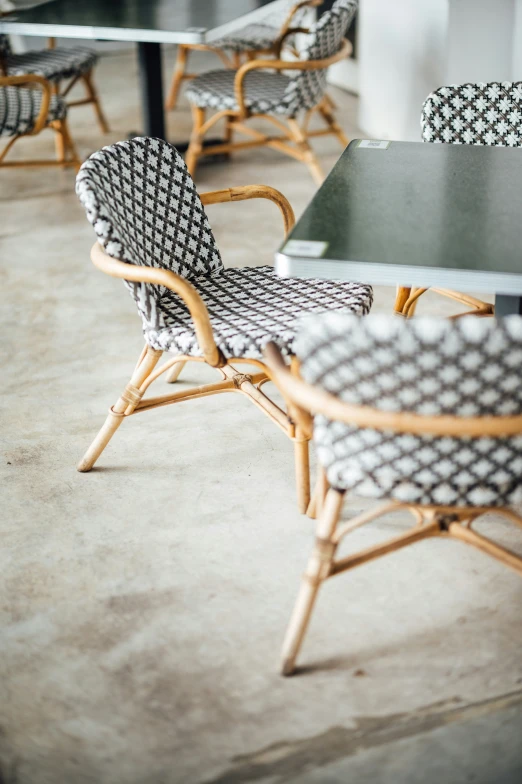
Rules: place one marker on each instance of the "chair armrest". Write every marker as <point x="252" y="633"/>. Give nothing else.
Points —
<point x="27" y="80"/>
<point x="293" y="10"/>
<point x="243" y="192"/>
<point x="308" y="399"/>
<point x="285" y="65"/>
<point x="180" y="286"/>
<point x="282" y="38"/>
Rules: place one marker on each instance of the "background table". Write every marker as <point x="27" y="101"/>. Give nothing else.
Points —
<point x="407" y="213"/>
<point x="149" y="23"/>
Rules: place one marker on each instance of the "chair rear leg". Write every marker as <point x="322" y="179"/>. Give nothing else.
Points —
<point x="317" y="571"/>
<point x="402" y="296"/>
<point x="332" y="123"/>
<point x="307" y="154"/>
<point x="172" y="375"/>
<point x="302" y="474"/>
<point x="93" y="96"/>
<point x="59" y="140"/>
<point x="125" y="405"/>
<point x="195" y="146"/>
<point x="177" y="76"/>
<point x="69" y="146"/>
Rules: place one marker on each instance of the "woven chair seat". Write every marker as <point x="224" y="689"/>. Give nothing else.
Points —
<point x="426" y="366"/>
<point x="19" y="109"/>
<point x="249" y="307"/>
<point x="52" y="64"/>
<point x="251" y="38"/>
<point x="265" y="91"/>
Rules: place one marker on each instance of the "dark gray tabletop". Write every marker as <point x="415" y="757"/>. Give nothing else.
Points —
<point x="160" y="21"/>
<point x="407" y="213"/>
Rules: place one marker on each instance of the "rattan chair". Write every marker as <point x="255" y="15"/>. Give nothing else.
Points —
<point x="481" y="114"/>
<point x="267" y="38"/>
<point x="28" y="107"/>
<point x="56" y="66"/>
<point x="153" y="233"/>
<point x="425" y="415"/>
<point x="263" y="89"/>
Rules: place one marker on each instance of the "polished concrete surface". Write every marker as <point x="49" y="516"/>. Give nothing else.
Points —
<point x="144" y="604"/>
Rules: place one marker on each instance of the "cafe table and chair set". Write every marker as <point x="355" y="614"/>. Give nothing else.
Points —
<point x="423" y="415"/>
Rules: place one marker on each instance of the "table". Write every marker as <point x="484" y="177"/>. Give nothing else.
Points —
<point x="416" y="214"/>
<point x="149" y="23"/>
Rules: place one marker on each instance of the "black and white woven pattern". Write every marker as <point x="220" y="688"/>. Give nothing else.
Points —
<point x="144" y="209"/>
<point x="483" y="113"/>
<point x="468" y="367"/>
<point x="251" y="38"/>
<point x="19" y="109"/>
<point x="52" y="64"/>
<point x="303" y="90"/>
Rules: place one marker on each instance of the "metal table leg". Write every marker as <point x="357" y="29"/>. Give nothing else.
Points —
<point x="151" y="83"/>
<point x="507" y="305"/>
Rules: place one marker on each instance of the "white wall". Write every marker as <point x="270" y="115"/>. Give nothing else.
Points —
<point x="402" y="55"/>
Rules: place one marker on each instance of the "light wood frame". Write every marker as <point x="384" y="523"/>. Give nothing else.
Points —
<point x="132" y="400"/>
<point x="180" y="75"/>
<point x="67" y="154"/>
<point x="407" y="298"/>
<point x="293" y="139"/>
<point x="446" y="521"/>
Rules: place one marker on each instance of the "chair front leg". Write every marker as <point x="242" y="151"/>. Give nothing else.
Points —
<point x="172" y="375"/>
<point x="307" y="154"/>
<point x="317" y="571"/>
<point x="402" y="296"/>
<point x="327" y="115"/>
<point x="125" y="405"/>
<point x="302" y="471"/>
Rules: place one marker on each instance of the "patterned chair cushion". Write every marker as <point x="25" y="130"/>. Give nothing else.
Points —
<point x="52" y="64"/>
<point x="303" y="90"/>
<point x="468" y="367"/>
<point x="489" y="114"/>
<point x="251" y="38"/>
<point x="264" y="91"/>
<point x="20" y="106"/>
<point x="249" y="307"/>
<point x="145" y="210"/>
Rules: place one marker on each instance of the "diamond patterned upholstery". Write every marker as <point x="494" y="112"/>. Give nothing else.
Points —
<point x="145" y="210"/>
<point x="20" y="106"/>
<point x="489" y="114"/>
<point x="468" y="367"/>
<point x="52" y="64"/>
<point x="303" y="90"/>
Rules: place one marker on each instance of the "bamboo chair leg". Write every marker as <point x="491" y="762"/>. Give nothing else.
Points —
<point x="307" y="153"/>
<point x="332" y="123"/>
<point x="315" y="507"/>
<point x="177" y="77"/>
<point x="93" y="96"/>
<point x="195" y="146"/>
<point x="302" y="474"/>
<point x="63" y="131"/>
<point x="125" y="405"/>
<point x="403" y="294"/>
<point x="317" y="571"/>
<point x="59" y="140"/>
<point x="172" y="375"/>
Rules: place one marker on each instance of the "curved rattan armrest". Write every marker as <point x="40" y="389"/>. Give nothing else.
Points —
<point x="27" y="80"/>
<point x="278" y="46"/>
<point x="318" y="401"/>
<point x="182" y="287"/>
<point x="285" y="65"/>
<point x="243" y="192"/>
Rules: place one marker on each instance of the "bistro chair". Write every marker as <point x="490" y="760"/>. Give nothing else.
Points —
<point x="152" y="231"/>
<point x="424" y="415"/>
<point x="263" y="89"/>
<point x="56" y="66"/>
<point x="266" y="38"/>
<point x="480" y="114"/>
<point x="27" y="107"/>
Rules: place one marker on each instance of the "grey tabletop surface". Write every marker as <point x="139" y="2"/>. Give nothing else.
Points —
<point x="160" y="21"/>
<point x="408" y="213"/>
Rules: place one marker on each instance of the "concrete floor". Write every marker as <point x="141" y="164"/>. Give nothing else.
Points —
<point x="144" y="604"/>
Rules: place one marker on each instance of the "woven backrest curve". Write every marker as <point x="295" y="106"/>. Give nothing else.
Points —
<point x="481" y="114"/>
<point x="430" y="366"/>
<point x="144" y="208"/>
